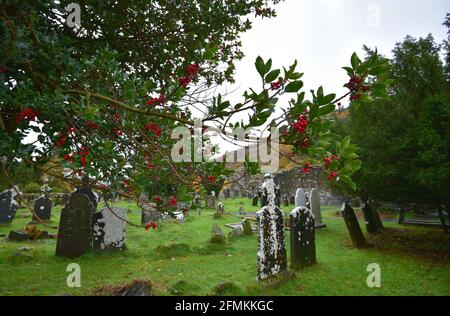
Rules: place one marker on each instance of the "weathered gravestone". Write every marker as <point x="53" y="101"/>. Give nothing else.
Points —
<point x="85" y="189"/>
<point x="108" y="229"/>
<point x="8" y="205"/>
<point x="303" y="240"/>
<point x="271" y="256"/>
<point x="217" y="235"/>
<point x="314" y="202"/>
<point x="221" y="196"/>
<point x="220" y="210"/>
<point x="236" y="232"/>
<point x="372" y="218"/>
<point x="255" y="200"/>
<point x="247" y="227"/>
<point x="352" y="224"/>
<point x="75" y="230"/>
<point x="43" y="205"/>
<point x="242" y="211"/>
<point x="300" y="198"/>
<point x="210" y="201"/>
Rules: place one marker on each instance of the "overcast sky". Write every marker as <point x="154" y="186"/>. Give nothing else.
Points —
<point x="322" y="35"/>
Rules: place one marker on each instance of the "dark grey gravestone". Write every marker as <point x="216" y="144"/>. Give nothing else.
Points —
<point x="108" y="230"/>
<point x="372" y="219"/>
<point x="255" y="200"/>
<point x="303" y="240"/>
<point x="353" y="227"/>
<point x="43" y="208"/>
<point x="8" y="206"/>
<point x="75" y="230"/>
<point x="18" y="236"/>
<point x="271" y="256"/>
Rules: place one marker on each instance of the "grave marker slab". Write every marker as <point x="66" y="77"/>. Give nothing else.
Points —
<point x="271" y="256"/>
<point x="314" y="201"/>
<point x="372" y="219"/>
<point x="8" y="206"/>
<point x="353" y="227"/>
<point x="74" y="234"/>
<point x="303" y="240"/>
<point x="108" y="230"/>
<point x="300" y="198"/>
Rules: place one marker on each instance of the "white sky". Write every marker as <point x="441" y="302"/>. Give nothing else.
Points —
<point x="322" y="35"/>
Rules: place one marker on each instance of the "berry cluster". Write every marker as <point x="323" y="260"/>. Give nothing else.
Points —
<point x="26" y="114"/>
<point x="91" y="125"/>
<point x="276" y="85"/>
<point x="3" y="69"/>
<point x="154" y="128"/>
<point x="192" y="71"/>
<point x="355" y="85"/>
<point x="150" y="224"/>
<point x="301" y="124"/>
<point x="157" y="101"/>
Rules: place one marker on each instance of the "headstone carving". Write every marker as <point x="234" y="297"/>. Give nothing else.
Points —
<point x="300" y="198"/>
<point x="314" y="202"/>
<point x="372" y="218"/>
<point x="8" y="205"/>
<point x="271" y="256"/>
<point x="353" y="227"/>
<point x="108" y="229"/>
<point x="74" y="234"/>
<point x="303" y="240"/>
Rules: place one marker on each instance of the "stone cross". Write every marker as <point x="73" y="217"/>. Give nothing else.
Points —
<point x="314" y="202"/>
<point x="75" y="230"/>
<point x="303" y="240"/>
<point x="108" y="229"/>
<point x="8" y="205"/>
<point x="271" y="256"/>
<point x="300" y="198"/>
<point x="352" y="224"/>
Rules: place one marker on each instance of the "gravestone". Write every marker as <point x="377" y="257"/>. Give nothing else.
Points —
<point x="210" y="201"/>
<point x="217" y="234"/>
<point x="247" y="227"/>
<point x="303" y="240"/>
<point x="352" y="224"/>
<point x="372" y="219"/>
<point x="108" y="229"/>
<point x="65" y="198"/>
<point x="221" y="196"/>
<point x="292" y="200"/>
<point x="8" y="205"/>
<point x="85" y="189"/>
<point x="42" y="208"/>
<point x="314" y="201"/>
<point x="149" y="213"/>
<point x="255" y="200"/>
<point x="264" y="193"/>
<point x="300" y="198"/>
<point x="75" y="230"/>
<point x="242" y="211"/>
<point x="271" y="256"/>
<point x="236" y="232"/>
<point x="220" y="210"/>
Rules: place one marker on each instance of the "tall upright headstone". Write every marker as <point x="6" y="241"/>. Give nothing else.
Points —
<point x="353" y="227"/>
<point x="255" y="200"/>
<point x="108" y="229"/>
<point x="74" y="234"/>
<point x="372" y="219"/>
<point x="314" y="202"/>
<point x="271" y="257"/>
<point x="300" y="198"/>
<point x="8" y="205"/>
<point x="303" y="240"/>
<point x="85" y="189"/>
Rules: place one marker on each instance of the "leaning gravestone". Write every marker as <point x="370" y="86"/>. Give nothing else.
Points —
<point x="300" y="198"/>
<point x="303" y="240"/>
<point x="247" y="227"/>
<point x="108" y="229"/>
<point x="8" y="205"/>
<point x="352" y="224"/>
<point x="271" y="256"/>
<point x="74" y="234"/>
<point x="372" y="218"/>
<point x="255" y="200"/>
<point x="314" y="201"/>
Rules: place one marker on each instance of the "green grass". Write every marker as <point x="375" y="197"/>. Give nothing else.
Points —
<point x="179" y="260"/>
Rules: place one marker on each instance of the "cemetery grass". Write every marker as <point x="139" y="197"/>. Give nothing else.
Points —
<point x="179" y="260"/>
